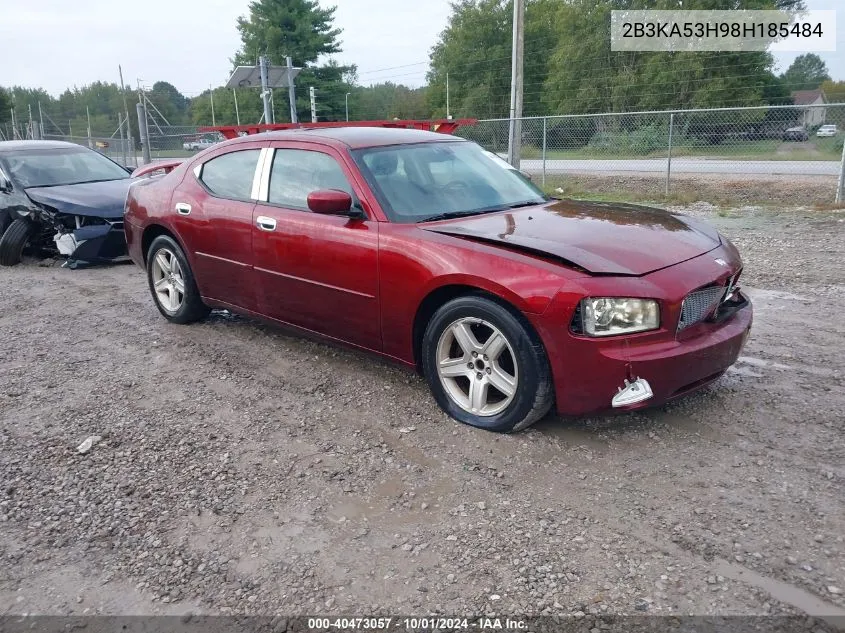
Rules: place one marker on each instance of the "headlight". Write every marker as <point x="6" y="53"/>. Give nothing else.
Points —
<point x="606" y="316"/>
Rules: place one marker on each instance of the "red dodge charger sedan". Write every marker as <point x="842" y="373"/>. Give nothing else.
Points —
<point x="428" y="250"/>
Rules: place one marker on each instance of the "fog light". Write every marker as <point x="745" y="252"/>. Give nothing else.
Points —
<point x="632" y="393"/>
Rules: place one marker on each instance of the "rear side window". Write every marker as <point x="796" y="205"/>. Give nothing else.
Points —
<point x="296" y="173"/>
<point x="231" y="175"/>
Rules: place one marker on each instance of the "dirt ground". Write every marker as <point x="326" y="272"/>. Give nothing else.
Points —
<point x="244" y="470"/>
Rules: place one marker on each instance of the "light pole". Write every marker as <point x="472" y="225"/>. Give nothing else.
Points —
<point x="347" y="106"/>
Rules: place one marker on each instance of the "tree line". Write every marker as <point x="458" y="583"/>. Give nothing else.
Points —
<point x="569" y="68"/>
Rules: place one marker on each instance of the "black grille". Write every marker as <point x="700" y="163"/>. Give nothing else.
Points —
<point x="699" y="304"/>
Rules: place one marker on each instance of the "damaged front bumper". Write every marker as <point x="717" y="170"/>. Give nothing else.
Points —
<point x="92" y="244"/>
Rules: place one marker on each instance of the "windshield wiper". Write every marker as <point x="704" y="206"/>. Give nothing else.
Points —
<point x="518" y="205"/>
<point x="461" y="214"/>
<point x="452" y="214"/>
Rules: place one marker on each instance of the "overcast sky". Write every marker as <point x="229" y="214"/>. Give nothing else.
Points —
<point x="55" y="44"/>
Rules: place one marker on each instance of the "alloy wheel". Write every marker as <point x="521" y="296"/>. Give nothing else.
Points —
<point x="168" y="280"/>
<point x="477" y="366"/>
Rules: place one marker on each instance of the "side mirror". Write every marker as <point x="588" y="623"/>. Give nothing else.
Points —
<point x="330" y="202"/>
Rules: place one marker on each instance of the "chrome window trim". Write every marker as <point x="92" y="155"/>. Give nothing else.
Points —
<point x="260" y="176"/>
<point x="262" y="193"/>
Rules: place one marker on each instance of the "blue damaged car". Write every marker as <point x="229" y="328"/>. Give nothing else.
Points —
<point x="60" y="199"/>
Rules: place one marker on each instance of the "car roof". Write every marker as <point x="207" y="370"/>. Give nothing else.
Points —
<point x="15" y="146"/>
<point x="356" y="137"/>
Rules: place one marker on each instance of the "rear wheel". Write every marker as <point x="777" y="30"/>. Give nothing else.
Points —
<point x="14" y="240"/>
<point x="172" y="282"/>
<point x="485" y="366"/>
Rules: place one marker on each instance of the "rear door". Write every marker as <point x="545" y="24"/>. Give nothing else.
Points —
<point x="213" y="214"/>
<point x="318" y="272"/>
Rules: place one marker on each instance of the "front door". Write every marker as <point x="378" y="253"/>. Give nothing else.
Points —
<point x="315" y="271"/>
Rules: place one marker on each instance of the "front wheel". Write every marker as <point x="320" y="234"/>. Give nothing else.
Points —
<point x="485" y="366"/>
<point x="172" y="282"/>
<point x="14" y="240"/>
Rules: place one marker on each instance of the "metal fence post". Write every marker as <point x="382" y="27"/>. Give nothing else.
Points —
<point x="545" y="129"/>
<point x="669" y="154"/>
<point x="143" y="132"/>
<point x="840" y="188"/>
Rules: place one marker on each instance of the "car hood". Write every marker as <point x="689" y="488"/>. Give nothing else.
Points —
<point x="601" y="238"/>
<point x="97" y="199"/>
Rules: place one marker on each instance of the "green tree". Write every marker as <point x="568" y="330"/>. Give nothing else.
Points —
<point x="5" y="109"/>
<point x="570" y="67"/>
<point x="170" y="102"/>
<point x="250" y="107"/>
<point x="807" y="72"/>
<point x="387" y="101"/>
<point x="587" y="76"/>
<point x="834" y="91"/>
<point x="475" y="51"/>
<point x="304" y="31"/>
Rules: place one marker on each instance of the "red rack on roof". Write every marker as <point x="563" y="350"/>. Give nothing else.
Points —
<point x="445" y="126"/>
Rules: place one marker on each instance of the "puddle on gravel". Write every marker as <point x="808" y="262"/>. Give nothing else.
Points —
<point x="784" y="592"/>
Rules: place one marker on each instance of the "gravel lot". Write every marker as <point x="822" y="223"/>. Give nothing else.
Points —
<point x="243" y="470"/>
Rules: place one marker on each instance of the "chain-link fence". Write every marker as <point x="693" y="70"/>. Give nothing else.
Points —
<point x="178" y="141"/>
<point x="797" y="150"/>
<point x="120" y="150"/>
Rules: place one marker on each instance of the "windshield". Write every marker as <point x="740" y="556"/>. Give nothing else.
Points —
<point x="429" y="180"/>
<point x="62" y="166"/>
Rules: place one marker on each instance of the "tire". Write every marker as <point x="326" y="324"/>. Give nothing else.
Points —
<point x="172" y="283"/>
<point x="5" y="221"/>
<point x="517" y="364"/>
<point x="14" y="239"/>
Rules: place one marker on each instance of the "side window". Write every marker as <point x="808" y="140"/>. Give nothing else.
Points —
<point x="231" y="175"/>
<point x="297" y="172"/>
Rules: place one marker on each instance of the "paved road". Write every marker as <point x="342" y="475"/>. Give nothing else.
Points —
<point x="688" y="166"/>
<point x="679" y="166"/>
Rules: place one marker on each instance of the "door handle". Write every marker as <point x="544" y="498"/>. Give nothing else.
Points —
<point x="183" y="208"/>
<point x="265" y="224"/>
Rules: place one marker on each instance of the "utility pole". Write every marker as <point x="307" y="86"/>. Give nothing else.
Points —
<point x="840" y="187"/>
<point x="40" y="121"/>
<point x="313" y="104"/>
<point x="516" y="83"/>
<point x="143" y="132"/>
<point x="237" y="112"/>
<point x="32" y="131"/>
<point x="263" y="63"/>
<point x="347" y="106"/>
<point x="211" y="95"/>
<point x="88" y="114"/>
<point x="126" y="111"/>
<point x="291" y="90"/>
<point x="448" y="115"/>
<point x="122" y="139"/>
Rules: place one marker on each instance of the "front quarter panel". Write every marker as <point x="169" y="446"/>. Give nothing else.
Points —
<point x="414" y="263"/>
